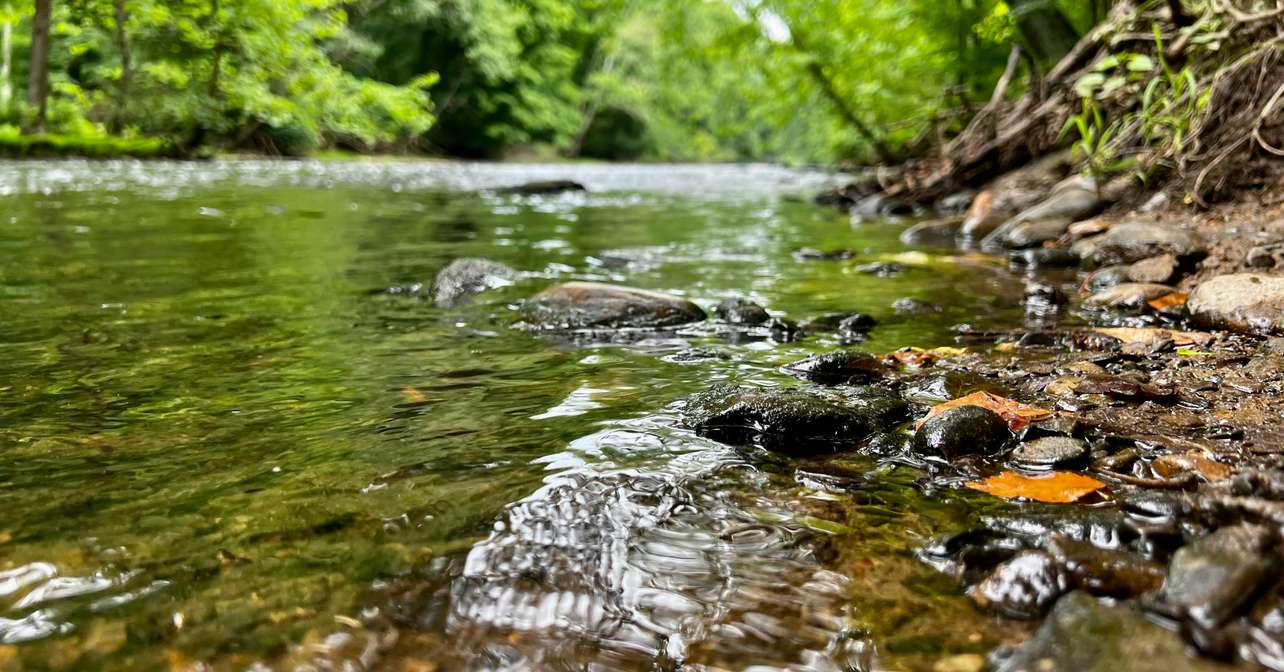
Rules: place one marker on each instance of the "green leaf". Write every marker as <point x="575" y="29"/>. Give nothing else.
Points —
<point x="1141" y="63"/>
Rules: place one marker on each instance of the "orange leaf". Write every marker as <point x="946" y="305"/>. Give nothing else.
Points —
<point x="413" y="396"/>
<point x="1058" y="487"/>
<point x="1150" y="335"/>
<point x="1174" y="300"/>
<point x="915" y="358"/>
<point x="1016" y="413"/>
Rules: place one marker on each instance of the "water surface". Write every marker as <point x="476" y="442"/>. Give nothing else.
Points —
<point x="223" y="443"/>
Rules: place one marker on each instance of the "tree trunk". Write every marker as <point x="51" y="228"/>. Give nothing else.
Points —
<point x="126" y="66"/>
<point x="38" y="86"/>
<point x="1047" y="33"/>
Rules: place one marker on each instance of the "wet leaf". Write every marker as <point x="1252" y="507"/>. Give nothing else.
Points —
<point x="1176" y="464"/>
<point x="1058" y="487"/>
<point x="914" y="358"/>
<point x="1169" y="301"/>
<point x="1152" y="335"/>
<point x="1016" y="414"/>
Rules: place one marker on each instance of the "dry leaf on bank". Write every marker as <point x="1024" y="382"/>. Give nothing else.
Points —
<point x="1016" y="414"/>
<point x="1167" y="301"/>
<point x="1058" y="487"/>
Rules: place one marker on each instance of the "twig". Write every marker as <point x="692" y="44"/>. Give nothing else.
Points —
<point x="1261" y="119"/>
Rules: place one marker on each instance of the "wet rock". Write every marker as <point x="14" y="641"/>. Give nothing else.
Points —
<point x="1133" y="241"/>
<point x="741" y="311"/>
<point x="1109" y="276"/>
<point x="1174" y="465"/>
<point x="1119" y="387"/>
<point x="585" y="305"/>
<point x="1129" y="295"/>
<point x="1084" y="635"/>
<point x="1043" y="257"/>
<point x="982" y="218"/>
<point x="1245" y="302"/>
<point x="855" y="326"/>
<point x="882" y="269"/>
<point x="1105" y="572"/>
<point x="789" y="421"/>
<point x="912" y="306"/>
<point x="1050" y="451"/>
<point x="934" y="232"/>
<point x="463" y="278"/>
<point x="1212" y="579"/>
<point x="543" y="187"/>
<point x="965" y="430"/>
<point x="1031" y="234"/>
<point x="878" y="205"/>
<point x="1160" y="269"/>
<point x="1265" y="256"/>
<point x="956" y="203"/>
<point x="1022" y="587"/>
<point x="840" y="366"/>
<point x="812" y="254"/>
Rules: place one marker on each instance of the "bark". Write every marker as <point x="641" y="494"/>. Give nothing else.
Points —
<point x="38" y="86"/>
<point x="1046" y="32"/>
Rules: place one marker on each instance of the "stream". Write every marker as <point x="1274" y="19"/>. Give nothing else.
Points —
<point x="237" y="433"/>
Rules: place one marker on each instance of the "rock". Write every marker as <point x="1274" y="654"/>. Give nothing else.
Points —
<point x="982" y="218"/>
<point x="1043" y="257"/>
<point x="1109" y="276"/>
<point x="956" y="203"/>
<point x="1210" y="580"/>
<point x="585" y="305"/>
<point x="1105" y="572"/>
<point x="933" y="232"/>
<point x="812" y="254"/>
<point x="1158" y="269"/>
<point x="1246" y="302"/>
<point x="462" y="278"/>
<point x="1265" y="256"/>
<point x="837" y="367"/>
<point x="878" y="205"/>
<point x="1049" y="451"/>
<point x="1133" y="241"/>
<point x="1173" y="465"/>
<point x="911" y="306"/>
<point x="1022" y="587"/>
<point x="789" y="420"/>
<point x="741" y="311"/>
<point x="1084" y="635"/>
<point x="1037" y="232"/>
<point x="882" y="269"/>
<point x="1129" y="295"/>
<point x="855" y="326"/>
<point x="543" y="187"/>
<point x="964" y="430"/>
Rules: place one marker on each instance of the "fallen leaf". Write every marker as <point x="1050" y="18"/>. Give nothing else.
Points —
<point x="1058" y="487"/>
<point x="413" y="396"/>
<point x="915" y="358"/>
<point x="1176" y="464"/>
<point x="1017" y="414"/>
<point x="1174" y="300"/>
<point x="1151" y="335"/>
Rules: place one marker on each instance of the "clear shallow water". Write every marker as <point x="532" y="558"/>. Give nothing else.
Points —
<point x="222" y="443"/>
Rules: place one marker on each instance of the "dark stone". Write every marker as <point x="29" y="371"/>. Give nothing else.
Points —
<point x="462" y="278"/>
<point x="1103" y="571"/>
<point x="956" y="203"/>
<point x="543" y="187"/>
<point x="1133" y="241"/>
<point x="882" y="269"/>
<point x="855" y="326"/>
<point x="741" y="311"/>
<point x="837" y="367"/>
<point x="1043" y="257"/>
<point x="1212" y="579"/>
<point x="965" y="430"/>
<point x="789" y="421"/>
<point x="812" y="254"/>
<point x="584" y="305"/>
<point x="1245" y="302"/>
<point x="1049" y="452"/>
<point x="1264" y="256"/>
<point x="1084" y="635"/>
<point x="1022" y="587"/>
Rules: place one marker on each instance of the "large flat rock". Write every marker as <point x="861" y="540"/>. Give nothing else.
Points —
<point x="593" y="305"/>
<point x="1247" y="302"/>
<point x="1133" y="241"/>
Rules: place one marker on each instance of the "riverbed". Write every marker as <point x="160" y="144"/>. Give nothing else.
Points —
<point x="236" y="431"/>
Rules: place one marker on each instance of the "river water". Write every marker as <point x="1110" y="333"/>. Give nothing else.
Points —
<point x="225" y="444"/>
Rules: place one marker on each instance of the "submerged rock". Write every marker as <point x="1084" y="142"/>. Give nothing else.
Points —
<point x="1105" y="572"/>
<point x="542" y="187"/>
<point x="741" y="311"/>
<point x="965" y="430"/>
<point x="1133" y="241"/>
<point x="462" y="278"/>
<point x="1022" y="587"/>
<point x="1247" y="302"/>
<point x="1106" y="277"/>
<point x="790" y="421"/>
<point x="1212" y="579"/>
<point x="1049" y="451"/>
<point x="1084" y="635"/>
<point x="840" y="366"/>
<point x="586" y="305"/>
